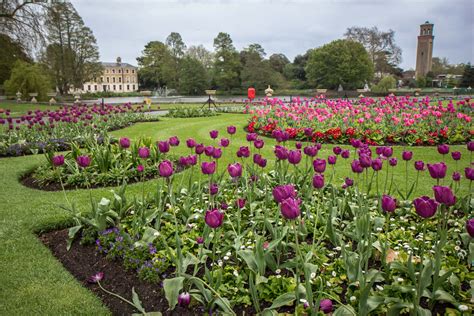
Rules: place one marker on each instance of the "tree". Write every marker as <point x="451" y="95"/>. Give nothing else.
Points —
<point x="386" y="83"/>
<point x="468" y="76"/>
<point x="72" y="56"/>
<point x="11" y="51"/>
<point x="22" y="21"/>
<point x="156" y="66"/>
<point x="27" y="78"/>
<point x="256" y="71"/>
<point x="192" y="76"/>
<point x="342" y="62"/>
<point x="440" y="65"/>
<point x="202" y="54"/>
<point x="227" y="64"/>
<point x="383" y="51"/>
<point x="278" y="62"/>
<point x="176" y="45"/>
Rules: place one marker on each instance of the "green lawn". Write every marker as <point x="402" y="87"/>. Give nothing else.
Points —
<point x="23" y="108"/>
<point x="34" y="282"/>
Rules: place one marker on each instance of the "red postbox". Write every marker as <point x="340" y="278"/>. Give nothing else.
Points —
<point x="251" y="93"/>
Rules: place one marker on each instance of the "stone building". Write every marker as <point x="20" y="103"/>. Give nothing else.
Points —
<point x="424" y="51"/>
<point x="117" y="77"/>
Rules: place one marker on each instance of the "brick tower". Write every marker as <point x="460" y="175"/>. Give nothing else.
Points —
<point x="424" y="51"/>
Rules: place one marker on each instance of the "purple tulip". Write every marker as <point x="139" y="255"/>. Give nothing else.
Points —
<point x="214" y="218"/>
<point x="163" y="147"/>
<point x="425" y="206"/>
<point x="356" y="143"/>
<point x="281" y="152"/>
<point x="337" y="150"/>
<point x="379" y="150"/>
<point x="444" y="195"/>
<point x="243" y="151"/>
<point x="231" y="130"/>
<point x="199" y="149"/>
<point x="191" y="143"/>
<point x="377" y="164"/>
<point x="437" y="170"/>
<point x="407" y="155"/>
<point x="469" y="172"/>
<point x="319" y="165"/>
<point x="83" y="161"/>
<point x="199" y="240"/>
<point x="393" y="161"/>
<point x="217" y="153"/>
<point x="140" y="168"/>
<point x="258" y="143"/>
<point x="183" y="161"/>
<point x="124" y="142"/>
<point x="456" y="155"/>
<point x="208" y="167"/>
<point x="96" y="278"/>
<point x="290" y="208"/>
<point x="365" y="161"/>
<point x="213" y="189"/>
<point x="184" y="299"/>
<point x="348" y="182"/>
<point x="310" y="151"/>
<point x="262" y="163"/>
<point x="165" y="168"/>
<point x="443" y="149"/>
<point x="389" y="204"/>
<point x="294" y="157"/>
<point x="419" y="165"/>
<point x="144" y="152"/>
<point x="356" y="166"/>
<point x="283" y="192"/>
<point x="224" y="142"/>
<point x="58" y="160"/>
<point x="470" y="146"/>
<point x="470" y="227"/>
<point x="345" y="153"/>
<point x="213" y="134"/>
<point x="209" y="150"/>
<point x="174" y="141"/>
<point x="251" y="137"/>
<point x="332" y="160"/>
<point x="387" y="152"/>
<point x="298" y="145"/>
<point x="318" y="181"/>
<point x="240" y="203"/>
<point x="308" y="131"/>
<point x="257" y="158"/>
<point x="456" y="176"/>
<point x="235" y="170"/>
<point x="325" y="306"/>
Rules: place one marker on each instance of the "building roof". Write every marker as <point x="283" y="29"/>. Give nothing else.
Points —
<point x="107" y="64"/>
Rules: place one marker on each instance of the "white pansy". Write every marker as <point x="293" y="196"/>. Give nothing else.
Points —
<point x="353" y="298"/>
<point x="277" y="271"/>
<point x="463" y="308"/>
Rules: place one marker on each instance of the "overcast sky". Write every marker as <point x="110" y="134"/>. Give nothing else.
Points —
<point x="123" y="27"/>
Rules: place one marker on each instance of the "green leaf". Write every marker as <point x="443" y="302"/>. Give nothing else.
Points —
<point x="373" y="302"/>
<point x="396" y="308"/>
<point x="282" y="300"/>
<point x="172" y="288"/>
<point x="136" y="301"/>
<point x="441" y="295"/>
<point x="345" y="310"/>
<point x="423" y="311"/>
<point x="71" y="235"/>
<point x="249" y="258"/>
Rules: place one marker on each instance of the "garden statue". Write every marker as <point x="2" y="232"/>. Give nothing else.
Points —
<point x="268" y="91"/>
<point x="366" y="87"/>
<point x="33" y="97"/>
<point x="340" y="89"/>
<point x="18" y="97"/>
<point x="77" y="97"/>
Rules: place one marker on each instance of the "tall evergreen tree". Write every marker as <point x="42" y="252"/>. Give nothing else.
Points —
<point x="227" y="64"/>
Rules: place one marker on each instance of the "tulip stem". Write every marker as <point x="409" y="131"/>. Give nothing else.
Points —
<point x="116" y="295"/>
<point x="298" y="257"/>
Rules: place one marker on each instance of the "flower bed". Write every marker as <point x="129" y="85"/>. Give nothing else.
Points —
<point x="191" y="112"/>
<point x="110" y="162"/>
<point x="42" y="131"/>
<point x="286" y="240"/>
<point x="391" y="120"/>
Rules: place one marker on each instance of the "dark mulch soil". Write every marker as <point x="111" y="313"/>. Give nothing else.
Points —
<point x="84" y="261"/>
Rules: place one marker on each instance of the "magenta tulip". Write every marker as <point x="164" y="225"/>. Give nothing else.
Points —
<point x="443" y="149"/>
<point x="174" y="141"/>
<point x="470" y="227"/>
<point x="469" y="173"/>
<point x="184" y="299"/>
<point x="83" y="161"/>
<point x="389" y="204"/>
<point x="231" y="130"/>
<point x="163" y="147"/>
<point x="407" y="155"/>
<point x="214" y="218"/>
<point x="283" y="192"/>
<point x="444" y="195"/>
<point x="213" y="134"/>
<point x="319" y="165"/>
<point x="325" y="306"/>
<point x="258" y="143"/>
<point x="332" y="160"/>
<point x="58" y="160"/>
<point x="165" y="169"/>
<point x="208" y="167"/>
<point x="235" y="170"/>
<point x="419" y="165"/>
<point x="124" y="142"/>
<point x="191" y="143"/>
<point x="318" y="181"/>
<point x="144" y="152"/>
<point x="290" y="208"/>
<point x="437" y="170"/>
<point x="425" y="206"/>
<point x="456" y="155"/>
<point x="224" y="142"/>
<point x="294" y="157"/>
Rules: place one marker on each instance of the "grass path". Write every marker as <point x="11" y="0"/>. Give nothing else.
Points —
<point x="32" y="281"/>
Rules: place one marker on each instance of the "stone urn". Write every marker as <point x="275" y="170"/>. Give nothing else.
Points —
<point x="269" y="91"/>
<point x="33" y="97"/>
